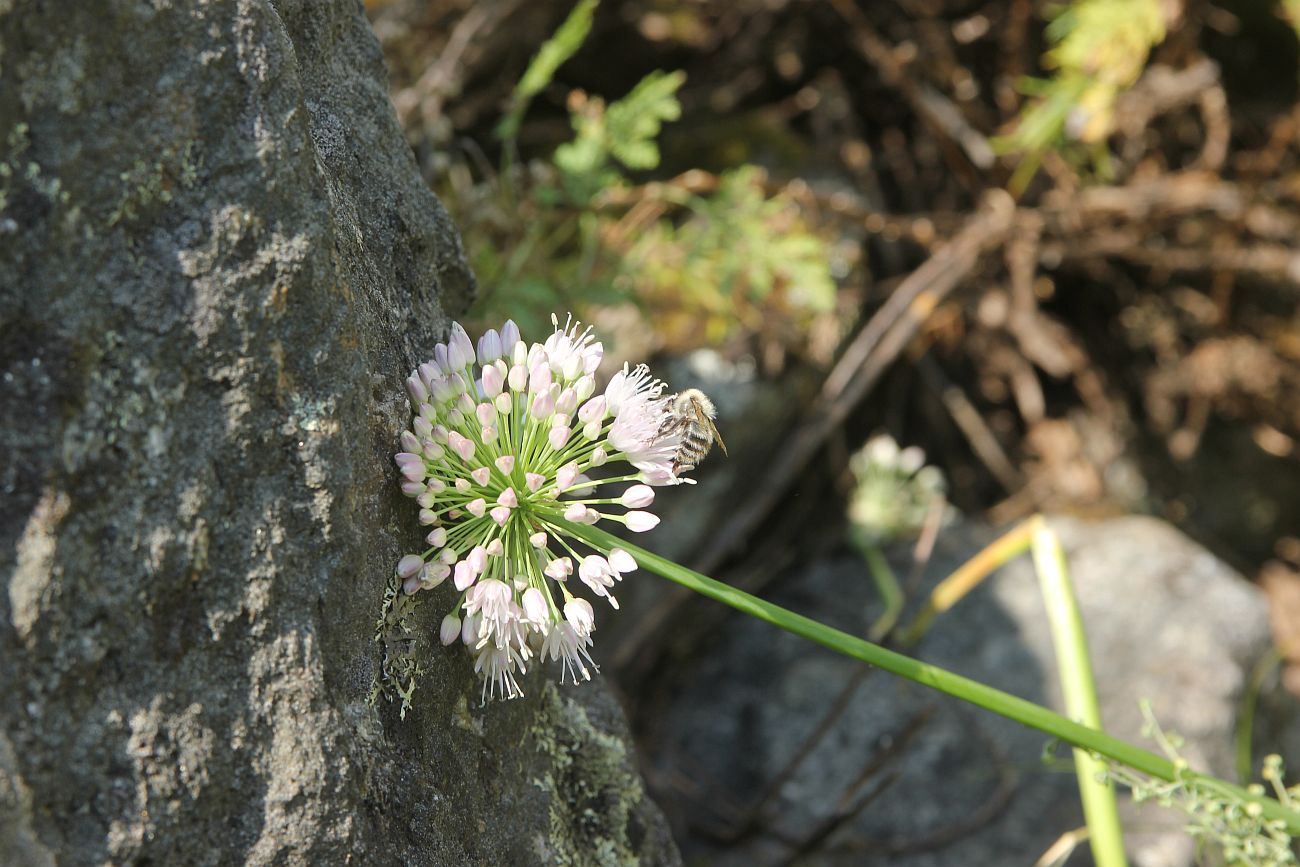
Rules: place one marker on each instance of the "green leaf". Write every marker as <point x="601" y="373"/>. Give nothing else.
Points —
<point x="625" y="131"/>
<point x="550" y="57"/>
<point x="634" y="122"/>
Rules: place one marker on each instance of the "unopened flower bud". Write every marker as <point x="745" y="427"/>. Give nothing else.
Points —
<point x="559" y="569"/>
<point x="460" y="347"/>
<point x="572" y="367"/>
<point x="593" y="410"/>
<point x="463" y="575"/>
<point x="539" y="378"/>
<point x="477" y="559"/>
<point x="621" y="561"/>
<point x="469" y="630"/>
<point x="518" y="378"/>
<point x="535" y="607"/>
<point x="567" y="402"/>
<point x="449" y="631"/>
<point x="543" y="405"/>
<point x="638" y="496"/>
<point x="462" y="445"/>
<point x="442" y="390"/>
<point x="566" y="474"/>
<point x="432" y="575"/>
<point x="409" y="565"/>
<point x="489" y="347"/>
<point x="640" y="522"/>
<point x="492" y="381"/>
<point x="509" y="335"/>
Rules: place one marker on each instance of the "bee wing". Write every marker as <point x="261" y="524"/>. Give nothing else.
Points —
<point x="704" y="419"/>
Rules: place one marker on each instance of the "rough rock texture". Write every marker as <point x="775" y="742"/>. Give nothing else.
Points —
<point x="217" y="264"/>
<point x="946" y="783"/>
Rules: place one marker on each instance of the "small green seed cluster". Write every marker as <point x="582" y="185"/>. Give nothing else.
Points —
<point x="1217" y="816"/>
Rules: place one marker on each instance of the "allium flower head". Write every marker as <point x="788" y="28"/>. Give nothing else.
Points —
<point x="503" y="437"/>
<point x="894" y="492"/>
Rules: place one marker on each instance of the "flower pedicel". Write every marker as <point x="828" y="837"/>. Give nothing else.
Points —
<point x="501" y="441"/>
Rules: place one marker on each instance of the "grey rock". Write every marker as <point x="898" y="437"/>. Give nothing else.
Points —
<point x="217" y="265"/>
<point x="946" y="783"/>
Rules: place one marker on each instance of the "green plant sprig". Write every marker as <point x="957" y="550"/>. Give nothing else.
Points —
<point x="550" y="57"/>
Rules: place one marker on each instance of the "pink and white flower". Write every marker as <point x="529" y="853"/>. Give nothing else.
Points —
<point x="637" y="431"/>
<point x="506" y="450"/>
<point x="566" y="644"/>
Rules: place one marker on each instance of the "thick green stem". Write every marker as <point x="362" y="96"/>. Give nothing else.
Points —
<point x="1007" y="705"/>
<point x="1095" y="791"/>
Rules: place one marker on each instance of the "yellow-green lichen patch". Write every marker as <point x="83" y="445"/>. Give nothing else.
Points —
<point x="147" y="184"/>
<point x="594" y="792"/>
<point x="14" y="170"/>
<point x="399" y="669"/>
<point x="22" y="177"/>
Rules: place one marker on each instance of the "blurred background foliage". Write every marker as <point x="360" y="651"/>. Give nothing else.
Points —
<point x="694" y="261"/>
<point x="758" y="177"/>
<point x="1051" y="243"/>
<point x="1098" y="49"/>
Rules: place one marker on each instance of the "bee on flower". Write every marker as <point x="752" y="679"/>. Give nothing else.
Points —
<point x="497" y="459"/>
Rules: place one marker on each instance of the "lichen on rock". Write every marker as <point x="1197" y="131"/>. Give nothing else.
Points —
<point x="595" y="794"/>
